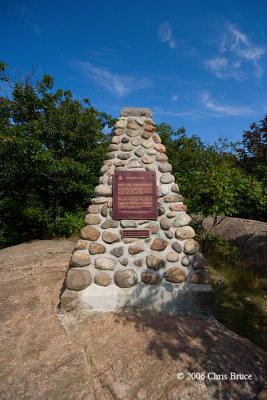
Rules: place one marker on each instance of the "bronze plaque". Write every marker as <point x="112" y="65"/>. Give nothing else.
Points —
<point x="135" y="195"/>
<point x="135" y="233"/>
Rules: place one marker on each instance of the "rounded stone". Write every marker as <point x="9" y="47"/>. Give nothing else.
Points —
<point x="161" y="210"/>
<point x="93" y="209"/>
<point x="81" y="245"/>
<point x="135" y="249"/>
<point x="172" y="198"/>
<point x="124" y="156"/>
<point x="185" y="232"/>
<point x="161" y="157"/>
<point x="110" y="202"/>
<point x="104" y="169"/>
<point x="109" y="223"/>
<point x="132" y="133"/>
<point x="149" y="278"/>
<point x="99" y="200"/>
<point x="127" y="147"/>
<point x="185" y="261"/>
<point x="172" y="256"/>
<point x="120" y="169"/>
<point x="200" y="277"/>
<point x="167" y="178"/>
<point x="199" y="261"/>
<point x="177" y="247"/>
<point x="169" y="234"/>
<point x="138" y="262"/>
<point x="154" y="228"/>
<point x="104" y="210"/>
<point x="102" y="180"/>
<point x="117" y="251"/>
<point x="156" y="138"/>
<point x="127" y="223"/>
<point x="78" y="279"/>
<point x="150" y="167"/>
<point x="135" y="164"/>
<point x="178" y="207"/>
<point x="92" y="219"/>
<point x="110" y="156"/>
<point x="175" y="275"/>
<point x="151" y="152"/>
<point x="182" y="220"/>
<point x="125" y="278"/>
<point x="124" y="261"/>
<point x="165" y="223"/>
<point x="110" y="237"/>
<point x="132" y="125"/>
<point x="79" y="259"/>
<point x="159" y="244"/>
<point x="147" y="160"/>
<point x="165" y="167"/>
<point x="139" y="152"/>
<point x="160" y="148"/>
<point x="102" y="279"/>
<point x="191" y="246"/>
<point x="150" y="128"/>
<point x="139" y="121"/>
<point x="103" y="190"/>
<point x="171" y="214"/>
<point x="175" y="188"/>
<point x="119" y="163"/>
<point x="108" y="162"/>
<point x="147" y="143"/>
<point x="163" y="190"/>
<point x="113" y="147"/>
<point x="146" y="135"/>
<point x="120" y="123"/>
<point x="135" y="141"/>
<point x="97" y="248"/>
<point x="118" y="132"/>
<point x="125" y="139"/>
<point x="90" y="233"/>
<point x="116" y="140"/>
<point x="154" y="262"/>
<point x="104" y="263"/>
<point x="149" y="121"/>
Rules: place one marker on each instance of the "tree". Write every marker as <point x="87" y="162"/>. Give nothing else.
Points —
<point x="51" y="147"/>
<point x="253" y="154"/>
<point x="210" y="179"/>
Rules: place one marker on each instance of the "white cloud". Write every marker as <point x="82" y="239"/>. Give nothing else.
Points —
<point x="165" y="35"/>
<point x="120" y="85"/>
<point x="175" y="98"/>
<point x="235" y="52"/>
<point x="160" y="111"/>
<point x="228" y="110"/>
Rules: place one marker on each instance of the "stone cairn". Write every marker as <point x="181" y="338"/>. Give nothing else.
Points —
<point x="164" y="272"/>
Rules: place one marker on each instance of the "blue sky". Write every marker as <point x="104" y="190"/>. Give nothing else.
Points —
<point x="200" y="64"/>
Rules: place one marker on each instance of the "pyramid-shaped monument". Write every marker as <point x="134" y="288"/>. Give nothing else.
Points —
<point x="137" y="248"/>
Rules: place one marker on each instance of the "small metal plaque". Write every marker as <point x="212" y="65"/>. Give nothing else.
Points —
<point x="134" y="195"/>
<point x="135" y="233"/>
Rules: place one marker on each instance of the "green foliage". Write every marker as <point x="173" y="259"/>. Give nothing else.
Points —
<point x="51" y="150"/>
<point x="211" y="180"/>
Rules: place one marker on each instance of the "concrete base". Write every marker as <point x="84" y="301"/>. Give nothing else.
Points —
<point x="167" y="298"/>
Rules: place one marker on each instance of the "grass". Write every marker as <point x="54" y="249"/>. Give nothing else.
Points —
<point x="241" y="294"/>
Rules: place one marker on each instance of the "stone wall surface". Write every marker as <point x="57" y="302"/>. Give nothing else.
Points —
<point x="164" y="272"/>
